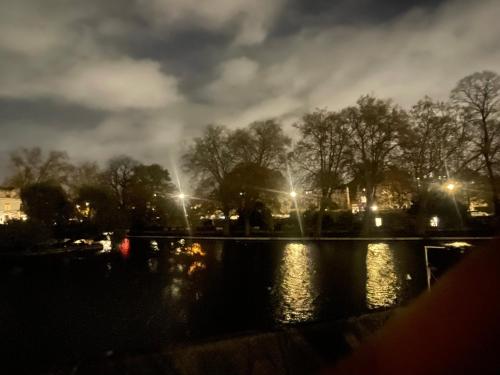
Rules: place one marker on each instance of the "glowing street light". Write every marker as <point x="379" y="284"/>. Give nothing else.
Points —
<point x="181" y="196"/>
<point x="451" y="186"/>
<point x="434" y="222"/>
<point x="293" y="194"/>
<point x="374" y="208"/>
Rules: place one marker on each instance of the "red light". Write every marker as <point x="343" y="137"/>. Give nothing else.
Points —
<point x="124" y="247"/>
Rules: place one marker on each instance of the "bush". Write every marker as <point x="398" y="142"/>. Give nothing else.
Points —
<point x="452" y="213"/>
<point x="22" y="236"/>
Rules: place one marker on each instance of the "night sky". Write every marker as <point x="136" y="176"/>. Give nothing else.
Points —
<point x="142" y="77"/>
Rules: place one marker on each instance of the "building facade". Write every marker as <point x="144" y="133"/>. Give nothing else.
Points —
<point x="10" y="205"/>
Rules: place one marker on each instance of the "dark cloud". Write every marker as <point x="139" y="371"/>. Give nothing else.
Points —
<point x="98" y="78"/>
<point x="325" y="13"/>
<point x="50" y="113"/>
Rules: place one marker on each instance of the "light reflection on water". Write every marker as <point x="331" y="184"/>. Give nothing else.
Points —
<point x="177" y="294"/>
<point x="154" y="246"/>
<point x="107" y="245"/>
<point x="187" y="260"/>
<point x="383" y="284"/>
<point x="174" y="289"/>
<point x="153" y="265"/>
<point x="296" y="285"/>
<point x="192" y="256"/>
<point x="124" y="247"/>
<point x="196" y="266"/>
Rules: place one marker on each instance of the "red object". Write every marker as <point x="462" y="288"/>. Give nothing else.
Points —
<point x="453" y="329"/>
<point x="124" y="247"/>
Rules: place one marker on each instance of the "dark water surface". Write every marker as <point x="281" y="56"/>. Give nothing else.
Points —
<point x="162" y="292"/>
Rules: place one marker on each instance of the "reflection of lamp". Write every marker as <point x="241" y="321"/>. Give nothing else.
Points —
<point x="383" y="283"/>
<point x="297" y="291"/>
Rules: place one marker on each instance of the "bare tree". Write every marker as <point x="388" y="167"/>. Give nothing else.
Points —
<point x="210" y="155"/>
<point x="118" y="175"/>
<point x="436" y="141"/>
<point x="377" y="126"/>
<point x="84" y="174"/>
<point x="30" y="166"/>
<point x="209" y="159"/>
<point x="478" y="96"/>
<point x="263" y="143"/>
<point x="434" y="145"/>
<point x="323" y="153"/>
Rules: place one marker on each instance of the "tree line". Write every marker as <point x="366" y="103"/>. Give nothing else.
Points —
<point x="250" y="170"/>
<point x="124" y="194"/>
<point x="364" y="142"/>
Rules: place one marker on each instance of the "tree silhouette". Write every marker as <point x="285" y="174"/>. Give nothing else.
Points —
<point x="46" y="203"/>
<point x="478" y="96"/>
<point x="31" y="166"/>
<point x="323" y="153"/>
<point x="249" y="186"/>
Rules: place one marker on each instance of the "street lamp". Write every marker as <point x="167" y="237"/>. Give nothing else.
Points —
<point x="293" y="194"/>
<point x="181" y="196"/>
<point x="451" y="186"/>
<point x="434" y="222"/>
<point x="374" y="208"/>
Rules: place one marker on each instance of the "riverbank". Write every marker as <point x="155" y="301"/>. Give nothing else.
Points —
<point x="325" y="235"/>
<point x="70" y="250"/>
<point x="295" y="238"/>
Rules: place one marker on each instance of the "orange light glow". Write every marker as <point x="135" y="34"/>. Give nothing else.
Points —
<point x="196" y="266"/>
<point x="124" y="247"/>
<point x="196" y="249"/>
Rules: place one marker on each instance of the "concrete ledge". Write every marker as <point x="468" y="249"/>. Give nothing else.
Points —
<point x="298" y="350"/>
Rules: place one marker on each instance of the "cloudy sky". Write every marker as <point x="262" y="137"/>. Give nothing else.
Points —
<point x="141" y="77"/>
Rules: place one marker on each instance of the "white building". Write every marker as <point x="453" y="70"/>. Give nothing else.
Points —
<point x="10" y="205"/>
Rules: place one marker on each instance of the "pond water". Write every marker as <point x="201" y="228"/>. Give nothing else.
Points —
<point x="157" y="292"/>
